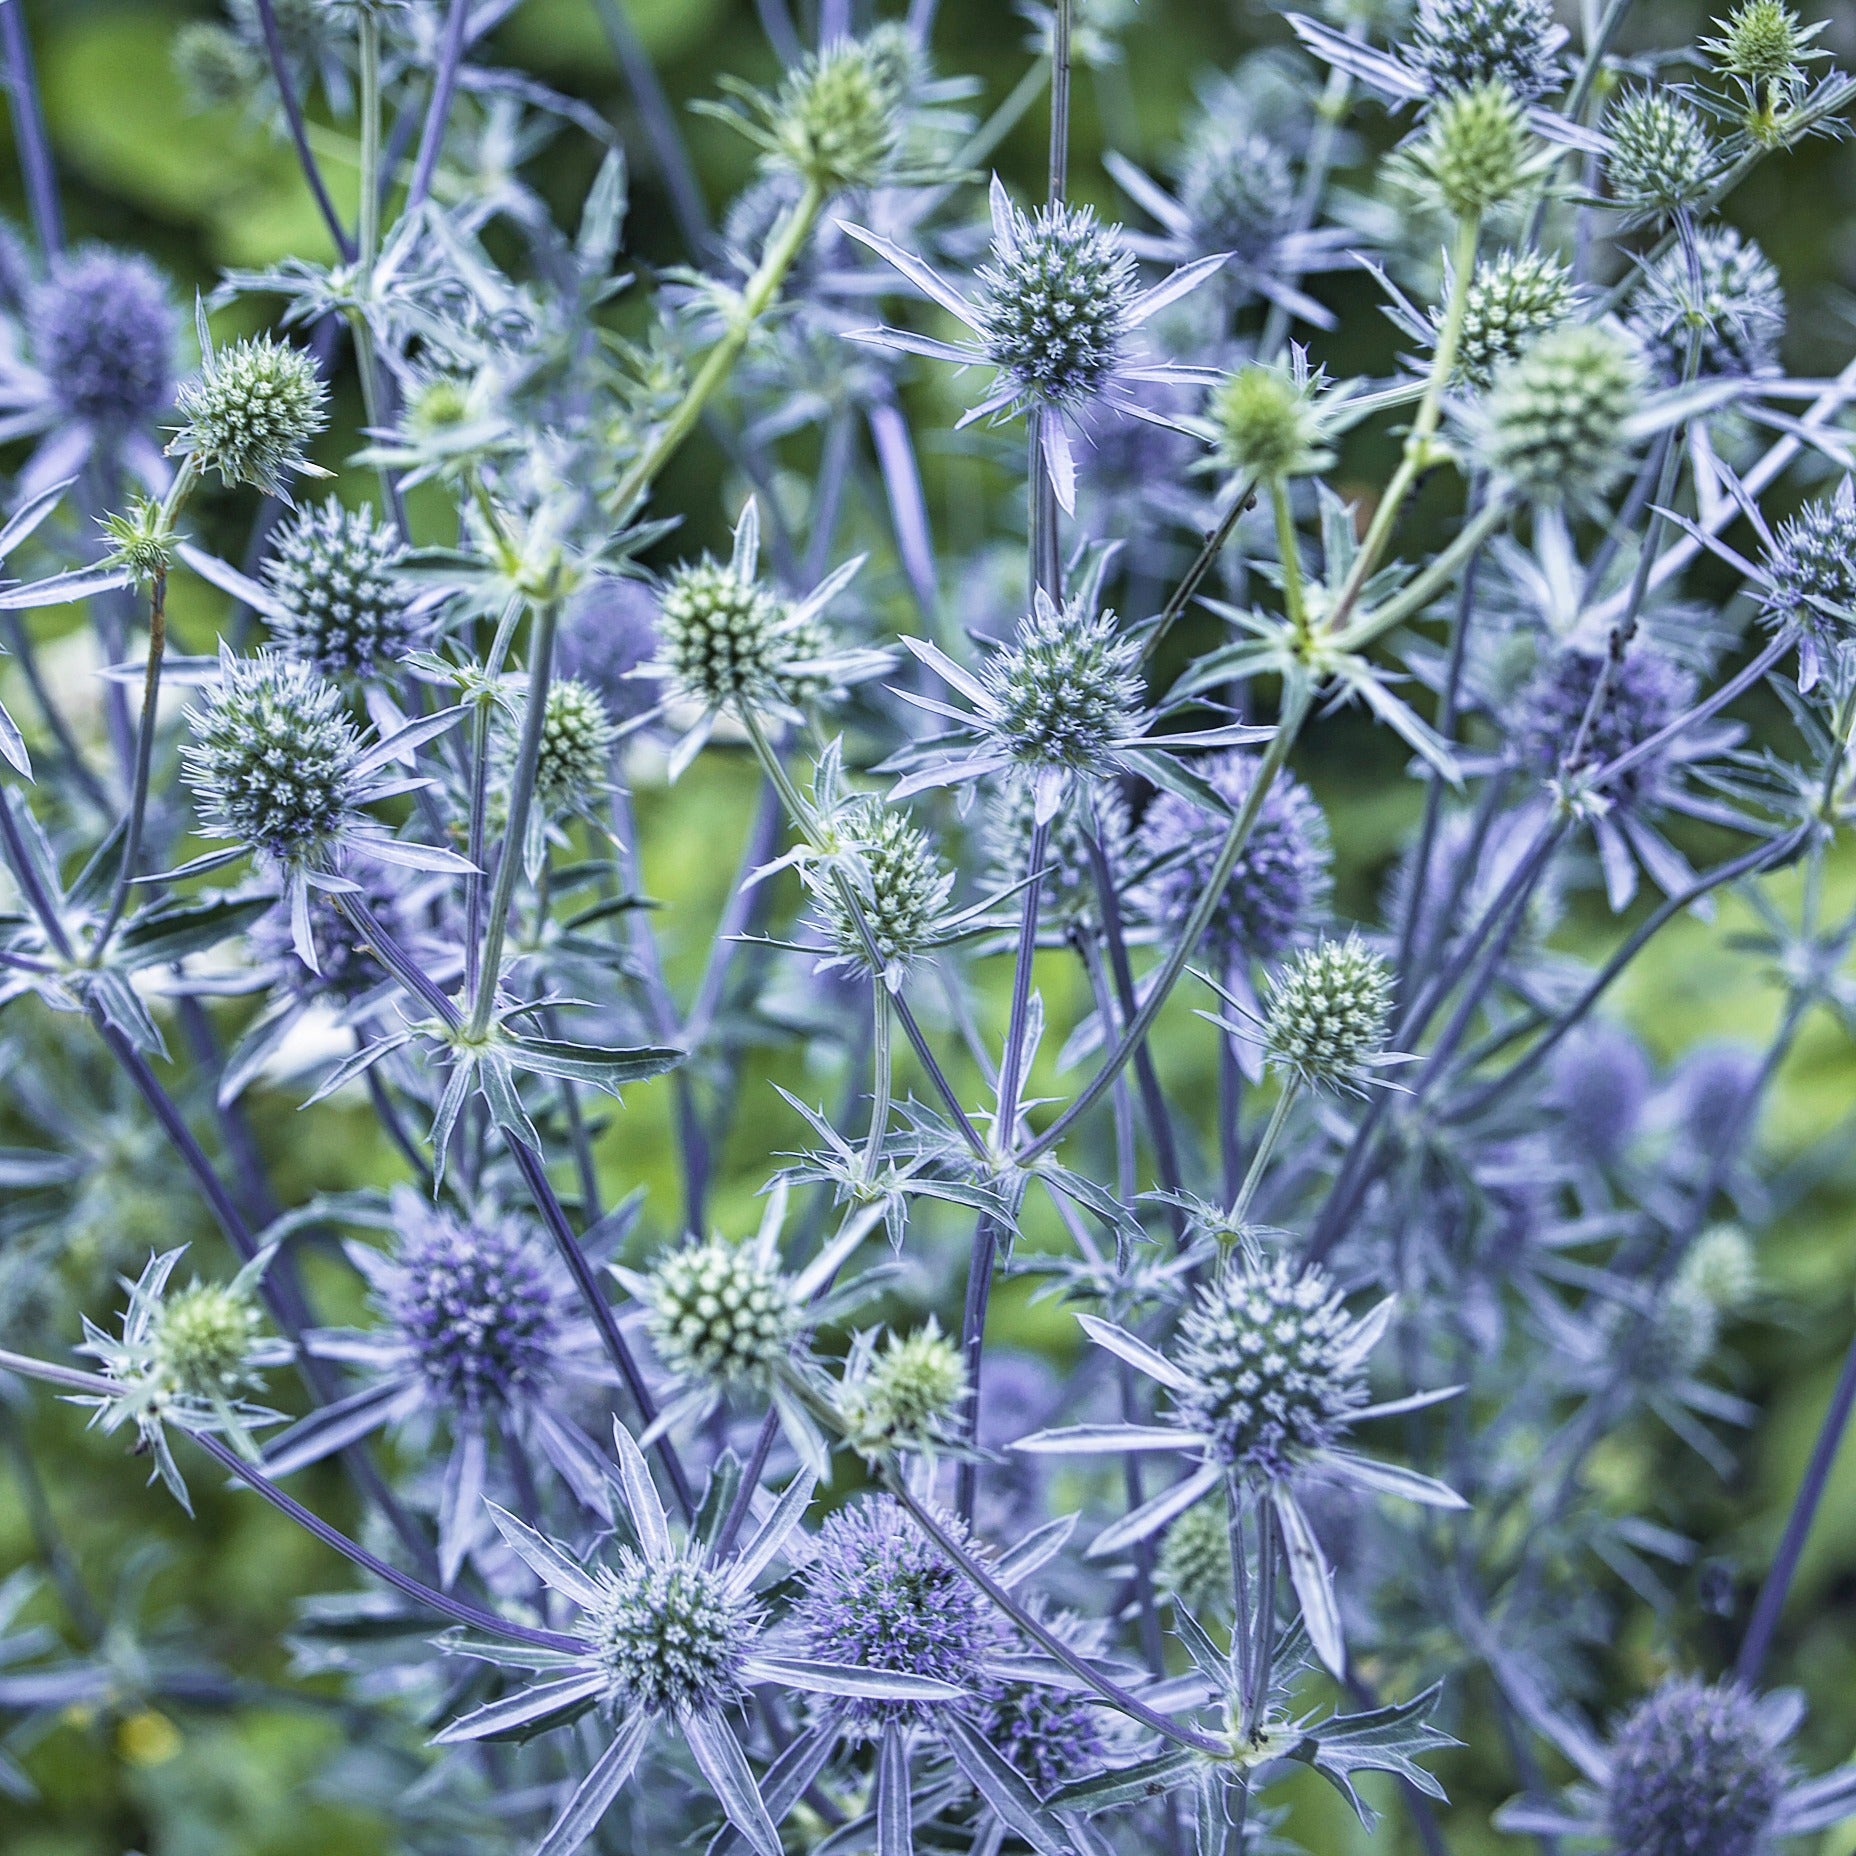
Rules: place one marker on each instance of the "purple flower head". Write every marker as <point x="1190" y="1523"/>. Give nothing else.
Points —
<point x="1695" y="1771"/>
<point x="880" y="1594"/>
<point x="1600" y="1086"/>
<point x="476" y="1310"/>
<point x="103" y="331"/>
<point x="608" y="631"/>
<point x="346" y="968"/>
<point x="1051" y="1736"/>
<point x="335" y="571"/>
<point x="1731" y="298"/>
<point x="1279" y="886"/>
<point x="1712" y="1087"/>
<point x="1811" y="570"/>
<point x="1646" y="691"/>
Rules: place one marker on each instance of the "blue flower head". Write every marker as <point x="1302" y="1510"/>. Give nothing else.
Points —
<point x="103" y="330"/>
<point x="1280" y="884"/>
<point x="1645" y="692"/>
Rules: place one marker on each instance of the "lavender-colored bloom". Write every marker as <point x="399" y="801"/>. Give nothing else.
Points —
<point x="334" y="572"/>
<point x="1644" y="692"/>
<point x="1729" y="302"/>
<point x="879" y="1592"/>
<point x="1279" y="886"/>
<point x="103" y="329"/>
<point x="608" y="635"/>
<point x="1600" y="1088"/>
<point x="1058" y="313"/>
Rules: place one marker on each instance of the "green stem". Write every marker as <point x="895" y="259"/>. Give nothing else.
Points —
<point x="1294" y="598"/>
<point x="178" y="492"/>
<point x="1419" y="591"/>
<point x="762" y="288"/>
<point x="1272" y="1131"/>
<point x="1418" y="456"/>
<point x="882" y="1082"/>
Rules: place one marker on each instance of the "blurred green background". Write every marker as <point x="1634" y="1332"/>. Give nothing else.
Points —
<point x="201" y="192"/>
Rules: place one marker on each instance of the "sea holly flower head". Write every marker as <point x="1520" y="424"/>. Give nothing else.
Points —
<point x="1267" y="1379"/>
<point x="334" y="571"/>
<point x="1724" y="296"/>
<point x="1810" y="570"/>
<point x="190" y="1358"/>
<point x="278" y="768"/>
<point x="103" y="330"/>
<point x="1661" y="159"/>
<point x="880" y="899"/>
<point x="1326" y="1015"/>
<point x="907" y="1394"/>
<point x="251" y="411"/>
<point x="1057" y="706"/>
<point x="1461" y="43"/>
<point x="1057" y="312"/>
<point x="1512" y="298"/>
<point x="668" y="1637"/>
<point x="1273" y="420"/>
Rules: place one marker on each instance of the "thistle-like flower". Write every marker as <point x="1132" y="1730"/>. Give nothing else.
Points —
<point x="1267" y="1378"/>
<point x="727" y="1317"/>
<point x="727" y="641"/>
<point x="1661" y="159"/>
<point x="1512" y="298"/>
<point x="1057" y="312"/>
<point x="1273" y="420"/>
<point x="1462" y="43"/>
<point x="1070" y="892"/>
<point x="898" y="890"/>
<point x="98" y="367"/>
<point x="1060" y="704"/>
<point x="1726" y="298"/>
<point x="190" y="1358"/>
<point x="477" y="1331"/>
<point x="1326" y="1014"/>
<point x="907" y="1395"/>
<point x="577" y="738"/>
<point x="838" y="118"/>
<point x="1695" y="1769"/>
<point x="1280" y="883"/>
<point x="1476" y="152"/>
<point x="1810" y="572"/>
<point x="668" y="1636"/>
<point x="1556" y="421"/>
<point x="278" y="767"/>
<point x="333" y="571"/>
<point x="250" y="412"/>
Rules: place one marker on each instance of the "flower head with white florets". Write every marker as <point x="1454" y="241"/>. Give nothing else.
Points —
<point x="670" y="1636"/>
<point x="1267" y="1376"/>
<point x="1057" y="312"/>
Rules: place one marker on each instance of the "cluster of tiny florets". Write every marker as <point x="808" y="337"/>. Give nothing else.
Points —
<point x="1193" y="1567"/>
<point x="474" y="1307"/>
<point x="1066" y="691"/>
<point x="1267" y="423"/>
<point x="1643" y="693"/>
<point x="717" y="1313"/>
<point x="880" y="1594"/>
<point x="1555" y="417"/>
<point x="1054" y="304"/>
<point x="1726" y="298"/>
<point x="1069" y="889"/>
<point x="911" y="1392"/>
<point x="1512" y="298"/>
<point x="335" y="571"/>
<point x="200" y="1342"/>
<point x="1694" y="1772"/>
<point x="1326" y="1013"/>
<point x="273" y="757"/>
<point x="1050" y="1736"/>
<point x="721" y="634"/>
<point x="838" y="117"/>
<point x="1661" y="157"/>
<point x="251" y="410"/>
<point x="1279" y="885"/>
<point x="670" y="1636"/>
<point x="103" y="332"/>
<point x="1763" y="46"/>
<point x="1474" y="150"/>
<point x="1237" y="190"/>
<point x="1461" y="43"/>
<point x="576" y="745"/>
<point x="1811" y="570"/>
<point x="897" y="878"/>
<point x="1272" y="1383"/>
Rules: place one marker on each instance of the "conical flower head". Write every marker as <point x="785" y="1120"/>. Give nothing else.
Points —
<point x="200" y="1342"/>
<point x="251" y="411"/>
<point x="880" y="1594"/>
<point x="1326" y="1015"/>
<point x="273" y="757"/>
<point x="1643" y="694"/>
<point x="898" y="881"/>
<point x="1236" y="188"/>
<point x="670" y="1635"/>
<point x="1554" y="421"/>
<point x="1459" y="44"/>
<point x="1273" y="1378"/>
<point x="1512" y="298"/>
<point x="1695" y="1771"/>
<point x="474" y="1307"/>
<point x="720" y="1313"/>
<point x="1055" y="302"/>
<point x="334" y="569"/>
<point x="1811" y="570"/>
<point x="103" y="331"/>
<point x="1066" y="691"/>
